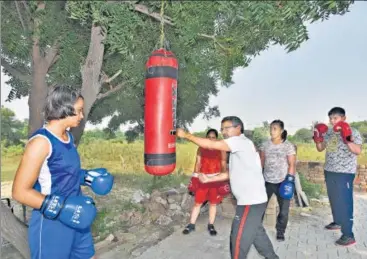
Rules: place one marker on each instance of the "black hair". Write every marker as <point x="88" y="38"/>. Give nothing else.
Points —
<point x="235" y="122"/>
<point x="214" y="131"/>
<point x="337" y="111"/>
<point x="281" y="125"/>
<point x="60" y="102"/>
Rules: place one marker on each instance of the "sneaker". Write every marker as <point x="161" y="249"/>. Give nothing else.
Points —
<point x="332" y="226"/>
<point x="212" y="230"/>
<point x="188" y="229"/>
<point x="280" y="236"/>
<point x="345" y="241"/>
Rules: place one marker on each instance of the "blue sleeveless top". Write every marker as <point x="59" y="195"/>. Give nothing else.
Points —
<point x="60" y="171"/>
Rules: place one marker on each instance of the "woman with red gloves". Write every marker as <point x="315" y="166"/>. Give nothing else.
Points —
<point x="209" y="162"/>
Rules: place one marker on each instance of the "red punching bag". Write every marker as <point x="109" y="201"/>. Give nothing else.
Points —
<point x="160" y="113"/>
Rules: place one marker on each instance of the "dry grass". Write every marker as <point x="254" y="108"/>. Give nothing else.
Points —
<point x="128" y="159"/>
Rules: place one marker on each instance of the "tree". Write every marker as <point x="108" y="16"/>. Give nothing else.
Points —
<point x="303" y="135"/>
<point x="91" y="44"/>
<point x="361" y="126"/>
<point x="260" y="134"/>
<point x="14" y="231"/>
<point x="12" y="130"/>
<point x="34" y="39"/>
<point x="101" y="47"/>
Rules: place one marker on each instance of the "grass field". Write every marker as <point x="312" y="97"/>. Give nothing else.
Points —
<point x="128" y="159"/>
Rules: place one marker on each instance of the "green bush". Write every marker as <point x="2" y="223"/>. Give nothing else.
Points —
<point x="312" y="190"/>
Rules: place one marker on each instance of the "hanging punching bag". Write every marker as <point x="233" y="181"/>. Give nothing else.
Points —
<point x="160" y="113"/>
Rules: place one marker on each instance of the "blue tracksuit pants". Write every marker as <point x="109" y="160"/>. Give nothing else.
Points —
<point x="340" y="191"/>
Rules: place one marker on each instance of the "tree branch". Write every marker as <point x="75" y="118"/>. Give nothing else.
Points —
<point x="143" y="9"/>
<point x="111" y="91"/>
<point x="167" y="20"/>
<point x="107" y="79"/>
<point x="26" y="7"/>
<point x="52" y="54"/>
<point x="20" y="16"/>
<point x="15" y="72"/>
<point x="214" y="39"/>
<point x="36" y="54"/>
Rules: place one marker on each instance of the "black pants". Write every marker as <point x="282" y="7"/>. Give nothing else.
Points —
<point x="247" y="230"/>
<point x="282" y="219"/>
<point x="340" y="191"/>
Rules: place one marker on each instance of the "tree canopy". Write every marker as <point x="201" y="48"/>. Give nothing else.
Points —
<point x="210" y="40"/>
<point x="13" y="131"/>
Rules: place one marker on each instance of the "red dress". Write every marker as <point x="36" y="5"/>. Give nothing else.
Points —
<point x="210" y="163"/>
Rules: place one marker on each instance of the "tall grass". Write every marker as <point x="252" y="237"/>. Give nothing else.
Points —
<point x="124" y="158"/>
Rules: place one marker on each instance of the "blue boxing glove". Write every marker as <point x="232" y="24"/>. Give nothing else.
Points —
<point x="77" y="212"/>
<point x="286" y="188"/>
<point x="98" y="179"/>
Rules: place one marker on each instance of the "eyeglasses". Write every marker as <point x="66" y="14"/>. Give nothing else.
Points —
<point x="225" y="128"/>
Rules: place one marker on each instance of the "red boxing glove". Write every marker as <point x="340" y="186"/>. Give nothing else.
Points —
<point x="224" y="189"/>
<point x="319" y="131"/>
<point x="194" y="183"/>
<point x="345" y="131"/>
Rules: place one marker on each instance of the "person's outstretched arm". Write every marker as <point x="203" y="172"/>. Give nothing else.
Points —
<point x="203" y="142"/>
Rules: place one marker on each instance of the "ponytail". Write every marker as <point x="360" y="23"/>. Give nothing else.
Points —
<point x="284" y="135"/>
<point x="281" y="125"/>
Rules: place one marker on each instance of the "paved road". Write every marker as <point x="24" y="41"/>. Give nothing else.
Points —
<point x="305" y="239"/>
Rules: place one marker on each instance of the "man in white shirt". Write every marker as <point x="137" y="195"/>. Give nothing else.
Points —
<point x="247" y="184"/>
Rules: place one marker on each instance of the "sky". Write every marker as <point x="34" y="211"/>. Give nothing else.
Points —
<point x="330" y="69"/>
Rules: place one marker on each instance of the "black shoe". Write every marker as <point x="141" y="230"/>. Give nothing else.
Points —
<point x="212" y="230"/>
<point x="332" y="226"/>
<point x="189" y="228"/>
<point x="280" y="236"/>
<point x="345" y="241"/>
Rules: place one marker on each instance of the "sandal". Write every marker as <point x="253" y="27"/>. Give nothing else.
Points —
<point x="212" y="230"/>
<point x="189" y="228"/>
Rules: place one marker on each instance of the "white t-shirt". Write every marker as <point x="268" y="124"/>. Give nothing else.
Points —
<point x="245" y="172"/>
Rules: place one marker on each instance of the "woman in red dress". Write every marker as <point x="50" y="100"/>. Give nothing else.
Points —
<point x="209" y="162"/>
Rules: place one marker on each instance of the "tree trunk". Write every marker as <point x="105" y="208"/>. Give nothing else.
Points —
<point x="91" y="71"/>
<point x="14" y="231"/>
<point x="37" y="98"/>
<point x="78" y="132"/>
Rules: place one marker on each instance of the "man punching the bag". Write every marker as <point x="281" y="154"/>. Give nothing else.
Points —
<point x="343" y="144"/>
<point x="48" y="179"/>
<point x="247" y="185"/>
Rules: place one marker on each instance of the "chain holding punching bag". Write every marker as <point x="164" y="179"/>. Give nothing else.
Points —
<point x="160" y="113"/>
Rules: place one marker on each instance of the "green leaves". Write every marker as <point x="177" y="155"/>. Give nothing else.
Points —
<point x="209" y="38"/>
<point x="12" y="130"/>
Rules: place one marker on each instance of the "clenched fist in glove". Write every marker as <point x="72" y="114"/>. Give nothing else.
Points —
<point x="194" y="183"/>
<point x="77" y="212"/>
<point x="224" y="189"/>
<point x="345" y="131"/>
<point x="98" y="179"/>
<point x="319" y="131"/>
<point x="286" y="188"/>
